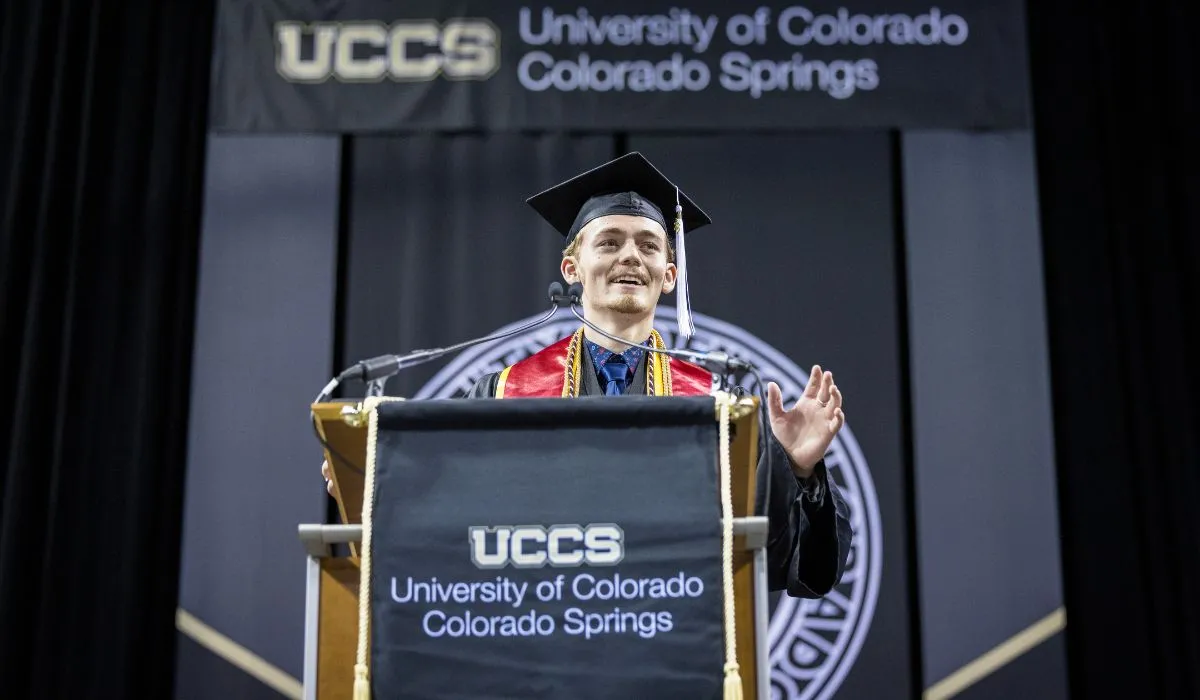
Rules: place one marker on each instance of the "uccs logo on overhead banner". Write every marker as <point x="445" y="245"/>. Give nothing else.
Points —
<point x="407" y="50"/>
<point x="379" y="66"/>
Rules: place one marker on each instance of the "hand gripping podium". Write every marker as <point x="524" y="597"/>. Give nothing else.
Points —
<point x="585" y="547"/>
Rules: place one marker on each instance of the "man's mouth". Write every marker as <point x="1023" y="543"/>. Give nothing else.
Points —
<point x="628" y="280"/>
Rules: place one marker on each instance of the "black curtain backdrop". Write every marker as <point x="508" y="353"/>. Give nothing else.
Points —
<point x="1116" y="107"/>
<point x="100" y="191"/>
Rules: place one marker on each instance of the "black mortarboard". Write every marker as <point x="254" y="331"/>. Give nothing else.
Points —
<point x="627" y="185"/>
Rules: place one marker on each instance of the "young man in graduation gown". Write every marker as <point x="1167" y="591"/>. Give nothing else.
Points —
<point x="614" y="220"/>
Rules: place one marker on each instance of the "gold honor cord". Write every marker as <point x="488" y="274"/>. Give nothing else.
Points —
<point x="658" y="367"/>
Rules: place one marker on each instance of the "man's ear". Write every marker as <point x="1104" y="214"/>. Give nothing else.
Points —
<point x="669" y="278"/>
<point x="570" y="270"/>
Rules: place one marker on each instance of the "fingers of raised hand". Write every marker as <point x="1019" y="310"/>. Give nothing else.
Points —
<point x="836" y="395"/>
<point x="814" y="382"/>
<point x="823" y="393"/>
<point x="838" y="420"/>
<point x="774" y="399"/>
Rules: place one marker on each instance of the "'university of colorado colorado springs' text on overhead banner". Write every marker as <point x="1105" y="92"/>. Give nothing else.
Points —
<point x="373" y="65"/>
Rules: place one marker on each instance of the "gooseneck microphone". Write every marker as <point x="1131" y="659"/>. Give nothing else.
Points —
<point x="384" y="366"/>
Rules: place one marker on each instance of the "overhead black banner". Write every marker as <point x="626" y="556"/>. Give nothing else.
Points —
<point x="374" y="65"/>
<point x="546" y="548"/>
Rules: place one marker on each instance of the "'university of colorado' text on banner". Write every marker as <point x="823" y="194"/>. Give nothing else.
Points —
<point x="371" y="65"/>
<point x="547" y="548"/>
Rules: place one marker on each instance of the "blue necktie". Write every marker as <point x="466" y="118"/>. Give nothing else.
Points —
<point x="617" y="373"/>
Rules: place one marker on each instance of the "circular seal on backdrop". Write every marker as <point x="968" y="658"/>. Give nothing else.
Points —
<point x="813" y="643"/>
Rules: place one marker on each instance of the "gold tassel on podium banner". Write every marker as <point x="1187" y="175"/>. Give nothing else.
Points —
<point x="733" y="679"/>
<point x="362" y="675"/>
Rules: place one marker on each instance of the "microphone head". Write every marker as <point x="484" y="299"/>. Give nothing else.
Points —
<point x="555" y="292"/>
<point x="575" y="292"/>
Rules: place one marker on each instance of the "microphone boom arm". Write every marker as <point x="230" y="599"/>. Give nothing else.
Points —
<point x="374" y="372"/>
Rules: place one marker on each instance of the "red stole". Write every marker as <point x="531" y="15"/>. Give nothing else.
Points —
<point x="544" y="374"/>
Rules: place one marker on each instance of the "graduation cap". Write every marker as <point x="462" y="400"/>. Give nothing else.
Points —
<point x="627" y="185"/>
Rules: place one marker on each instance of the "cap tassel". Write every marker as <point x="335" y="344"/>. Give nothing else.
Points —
<point x="683" y="306"/>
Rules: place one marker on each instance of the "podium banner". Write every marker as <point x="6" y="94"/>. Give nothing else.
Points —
<point x="546" y="548"/>
<point x="374" y="65"/>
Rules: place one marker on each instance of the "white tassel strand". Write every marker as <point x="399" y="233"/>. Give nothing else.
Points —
<point x="683" y="306"/>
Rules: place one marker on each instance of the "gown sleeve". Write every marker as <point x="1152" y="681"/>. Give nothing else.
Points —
<point x="809" y="536"/>
<point x="485" y="388"/>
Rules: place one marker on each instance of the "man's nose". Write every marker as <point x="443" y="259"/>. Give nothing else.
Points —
<point x="629" y="254"/>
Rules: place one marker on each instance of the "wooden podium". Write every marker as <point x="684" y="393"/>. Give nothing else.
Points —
<point x="331" y="602"/>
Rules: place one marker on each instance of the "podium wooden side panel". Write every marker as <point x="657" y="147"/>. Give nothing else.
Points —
<point x="337" y="638"/>
<point x="346" y="452"/>
<point x="743" y="449"/>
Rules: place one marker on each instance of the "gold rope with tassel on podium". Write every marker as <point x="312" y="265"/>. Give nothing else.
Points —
<point x="338" y="610"/>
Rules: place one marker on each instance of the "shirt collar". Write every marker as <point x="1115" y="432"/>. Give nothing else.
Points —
<point x="632" y="354"/>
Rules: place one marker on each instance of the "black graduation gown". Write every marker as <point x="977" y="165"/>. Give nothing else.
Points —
<point x="810" y="535"/>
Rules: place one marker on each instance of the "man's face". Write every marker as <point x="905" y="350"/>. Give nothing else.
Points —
<point x="622" y="264"/>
